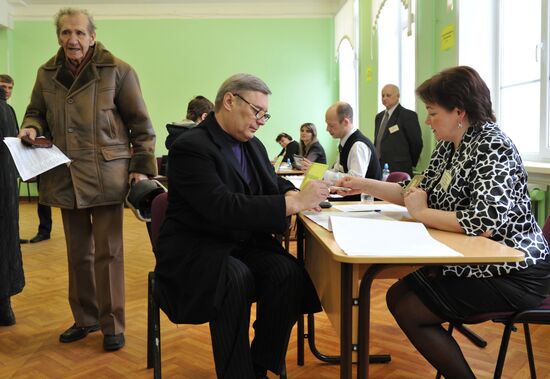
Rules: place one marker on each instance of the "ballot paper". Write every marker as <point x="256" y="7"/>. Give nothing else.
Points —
<point x="31" y="161"/>
<point x="323" y="218"/>
<point x="372" y="237"/>
<point x="370" y="207"/>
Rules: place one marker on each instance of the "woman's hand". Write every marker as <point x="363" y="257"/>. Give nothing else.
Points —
<point x="355" y="184"/>
<point x="305" y="164"/>
<point x="416" y="201"/>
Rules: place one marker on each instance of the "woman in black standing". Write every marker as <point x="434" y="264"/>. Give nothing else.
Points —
<point x="12" y="279"/>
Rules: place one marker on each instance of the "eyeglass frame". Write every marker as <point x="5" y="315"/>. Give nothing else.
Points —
<point x="266" y="116"/>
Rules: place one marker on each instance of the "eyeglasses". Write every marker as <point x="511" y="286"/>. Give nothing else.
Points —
<point x="260" y="113"/>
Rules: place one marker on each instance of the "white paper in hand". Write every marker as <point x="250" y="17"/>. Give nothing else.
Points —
<point x="30" y="161"/>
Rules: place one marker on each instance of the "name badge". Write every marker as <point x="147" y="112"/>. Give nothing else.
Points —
<point x="393" y="129"/>
<point x="446" y="180"/>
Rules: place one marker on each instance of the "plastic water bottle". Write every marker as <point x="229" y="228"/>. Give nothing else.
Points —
<point x="385" y="172"/>
<point x="289" y="163"/>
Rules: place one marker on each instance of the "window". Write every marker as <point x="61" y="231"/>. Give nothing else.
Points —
<point x="396" y="50"/>
<point x="347" y="73"/>
<point x="513" y="66"/>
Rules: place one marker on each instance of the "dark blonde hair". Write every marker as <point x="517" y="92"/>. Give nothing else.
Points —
<point x="310" y="127"/>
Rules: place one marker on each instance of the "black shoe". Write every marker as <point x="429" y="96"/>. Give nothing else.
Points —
<point x="40" y="237"/>
<point x="23" y="240"/>
<point x="113" y="342"/>
<point x="75" y="333"/>
<point x="7" y="317"/>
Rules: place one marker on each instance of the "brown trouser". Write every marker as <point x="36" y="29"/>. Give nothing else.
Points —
<point x="96" y="266"/>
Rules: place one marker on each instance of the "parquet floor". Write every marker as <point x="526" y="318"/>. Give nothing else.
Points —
<point x="30" y="349"/>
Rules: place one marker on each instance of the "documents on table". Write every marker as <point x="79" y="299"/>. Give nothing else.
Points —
<point x="31" y="161"/>
<point x="386" y="238"/>
<point x="371" y="207"/>
<point x="323" y="218"/>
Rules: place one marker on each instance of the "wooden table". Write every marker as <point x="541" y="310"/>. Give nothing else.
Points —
<point x="343" y="283"/>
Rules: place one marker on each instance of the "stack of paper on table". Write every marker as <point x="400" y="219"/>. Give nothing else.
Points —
<point x="386" y="238"/>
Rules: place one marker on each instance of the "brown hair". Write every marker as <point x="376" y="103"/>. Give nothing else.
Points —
<point x="281" y="136"/>
<point x="73" y="12"/>
<point x="197" y="107"/>
<point x="459" y="87"/>
<point x="5" y="78"/>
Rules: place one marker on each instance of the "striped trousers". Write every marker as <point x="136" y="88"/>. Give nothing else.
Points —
<point x="276" y="283"/>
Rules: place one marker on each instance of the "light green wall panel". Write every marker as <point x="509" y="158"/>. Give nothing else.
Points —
<point x="179" y="59"/>
<point x="431" y="17"/>
<point x="4" y="51"/>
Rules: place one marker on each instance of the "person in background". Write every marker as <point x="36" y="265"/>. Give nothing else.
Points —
<point x="289" y="146"/>
<point x="397" y="134"/>
<point x="216" y="249"/>
<point x="310" y="148"/>
<point x="475" y="184"/>
<point x="356" y="153"/>
<point x="90" y="103"/>
<point x="12" y="279"/>
<point x="44" y="212"/>
<point x="197" y="110"/>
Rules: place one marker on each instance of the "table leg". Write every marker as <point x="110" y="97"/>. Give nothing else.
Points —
<point x="364" y="322"/>
<point x="346" y="321"/>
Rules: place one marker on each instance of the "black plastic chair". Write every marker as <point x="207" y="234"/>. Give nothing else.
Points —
<point x="537" y="315"/>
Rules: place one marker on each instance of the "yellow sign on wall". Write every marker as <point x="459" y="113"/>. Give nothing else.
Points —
<point x="448" y="37"/>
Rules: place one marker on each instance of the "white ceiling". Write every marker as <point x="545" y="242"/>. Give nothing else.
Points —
<point x="45" y="9"/>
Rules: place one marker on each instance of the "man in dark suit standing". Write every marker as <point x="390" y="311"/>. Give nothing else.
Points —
<point x="397" y="134"/>
<point x="216" y="250"/>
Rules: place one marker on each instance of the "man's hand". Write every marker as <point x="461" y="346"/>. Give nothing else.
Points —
<point x="30" y="132"/>
<point x="136" y="177"/>
<point x="309" y="198"/>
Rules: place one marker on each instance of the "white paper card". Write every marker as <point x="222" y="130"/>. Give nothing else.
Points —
<point x="383" y="238"/>
<point x="31" y="161"/>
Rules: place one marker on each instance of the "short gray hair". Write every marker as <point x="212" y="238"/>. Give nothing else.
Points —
<point x="73" y="12"/>
<point x="240" y="82"/>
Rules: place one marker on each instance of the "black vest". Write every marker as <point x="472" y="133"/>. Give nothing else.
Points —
<point x="373" y="171"/>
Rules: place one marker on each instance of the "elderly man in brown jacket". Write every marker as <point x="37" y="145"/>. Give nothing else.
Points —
<point x="90" y="103"/>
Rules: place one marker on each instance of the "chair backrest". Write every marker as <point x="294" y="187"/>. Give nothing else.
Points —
<point x="397" y="176"/>
<point x="158" y="212"/>
<point x="546" y="230"/>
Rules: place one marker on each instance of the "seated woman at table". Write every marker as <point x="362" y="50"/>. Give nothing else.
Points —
<point x="289" y="146"/>
<point x="310" y="148"/>
<point x="475" y="184"/>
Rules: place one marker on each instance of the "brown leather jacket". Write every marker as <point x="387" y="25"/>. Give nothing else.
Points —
<point x="100" y="122"/>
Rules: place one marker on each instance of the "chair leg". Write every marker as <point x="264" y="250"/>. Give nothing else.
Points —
<point x="503" y="348"/>
<point x="472" y="336"/>
<point x="450" y="331"/>
<point x="530" y="354"/>
<point x="283" y="371"/>
<point x="150" y="326"/>
<point x="153" y="331"/>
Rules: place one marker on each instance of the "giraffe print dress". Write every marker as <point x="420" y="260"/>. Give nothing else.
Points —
<point x="488" y="191"/>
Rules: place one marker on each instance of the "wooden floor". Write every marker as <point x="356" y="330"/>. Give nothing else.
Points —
<point x="30" y="349"/>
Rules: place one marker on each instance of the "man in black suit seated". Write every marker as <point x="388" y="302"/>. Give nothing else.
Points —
<point x="397" y="134"/>
<point x="216" y="250"/>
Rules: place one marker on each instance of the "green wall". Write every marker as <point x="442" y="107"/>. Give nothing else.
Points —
<point x="4" y="50"/>
<point x="431" y="17"/>
<point x="178" y="59"/>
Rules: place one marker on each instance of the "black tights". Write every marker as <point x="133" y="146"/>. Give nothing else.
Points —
<point x="424" y="330"/>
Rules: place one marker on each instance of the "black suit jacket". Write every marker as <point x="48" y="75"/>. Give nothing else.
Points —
<point x="212" y="213"/>
<point x="400" y="149"/>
